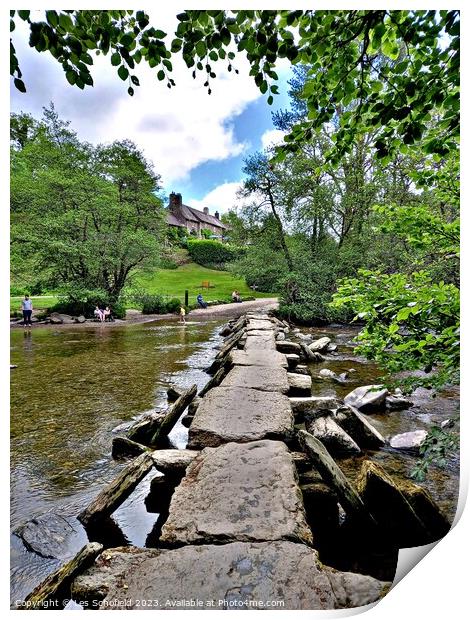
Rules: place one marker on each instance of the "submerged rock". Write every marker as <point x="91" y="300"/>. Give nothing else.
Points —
<point x="51" y="536"/>
<point x="326" y="373"/>
<point x="397" y="402"/>
<point x="367" y="397"/>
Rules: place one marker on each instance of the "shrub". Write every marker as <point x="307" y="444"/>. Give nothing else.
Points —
<point x="173" y="305"/>
<point x="167" y="263"/>
<point x="77" y="301"/>
<point x="211" y="253"/>
<point x="153" y="304"/>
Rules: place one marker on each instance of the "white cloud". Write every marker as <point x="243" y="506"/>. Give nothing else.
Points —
<point x="272" y="137"/>
<point x="178" y="129"/>
<point x="221" y="199"/>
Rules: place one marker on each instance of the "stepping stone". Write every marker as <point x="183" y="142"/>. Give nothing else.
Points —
<point x="259" y="378"/>
<point x="237" y="575"/>
<point x="241" y="415"/>
<point x="300" y="385"/>
<point x="259" y="324"/>
<point x="286" y="346"/>
<point x="265" y="340"/>
<point x="267" y="358"/>
<point x="238" y="491"/>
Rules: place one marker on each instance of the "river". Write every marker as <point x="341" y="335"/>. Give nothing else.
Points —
<point x="73" y="387"/>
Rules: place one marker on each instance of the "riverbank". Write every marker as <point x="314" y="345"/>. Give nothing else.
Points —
<point x="135" y="317"/>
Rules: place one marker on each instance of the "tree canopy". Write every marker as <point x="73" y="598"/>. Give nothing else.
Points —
<point x="400" y="68"/>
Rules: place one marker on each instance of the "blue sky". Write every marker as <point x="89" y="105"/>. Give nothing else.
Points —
<point x="197" y="142"/>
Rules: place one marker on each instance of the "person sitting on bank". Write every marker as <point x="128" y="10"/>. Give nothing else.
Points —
<point x="98" y="313"/>
<point x="200" y="301"/>
<point x="236" y="297"/>
<point x="107" y="314"/>
<point x="27" y="308"/>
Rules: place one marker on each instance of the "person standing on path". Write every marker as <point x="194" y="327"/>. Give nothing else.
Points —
<point x="182" y="314"/>
<point x="27" y="307"/>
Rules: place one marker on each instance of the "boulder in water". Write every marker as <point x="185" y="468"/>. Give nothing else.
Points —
<point x="409" y="441"/>
<point x="51" y="536"/>
<point x="367" y="397"/>
<point x="320" y="345"/>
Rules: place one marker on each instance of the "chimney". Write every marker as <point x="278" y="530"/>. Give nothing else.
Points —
<point x="206" y="210"/>
<point x="175" y="201"/>
<point x="216" y="214"/>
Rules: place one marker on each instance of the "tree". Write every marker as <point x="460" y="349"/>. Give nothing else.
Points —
<point x="86" y="216"/>
<point x="344" y="50"/>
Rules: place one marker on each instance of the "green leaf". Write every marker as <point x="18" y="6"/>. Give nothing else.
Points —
<point x="20" y="85"/>
<point x="135" y="80"/>
<point x="24" y="15"/>
<point x="116" y="59"/>
<point x="52" y="18"/>
<point x="201" y="49"/>
<point x="130" y="90"/>
<point x="123" y="72"/>
<point x="161" y="75"/>
<point x="71" y="77"/>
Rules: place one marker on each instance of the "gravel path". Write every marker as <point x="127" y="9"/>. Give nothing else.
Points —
<point x="135" y="317"/>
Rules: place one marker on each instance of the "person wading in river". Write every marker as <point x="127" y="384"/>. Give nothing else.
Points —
<point x="27" y="307"/>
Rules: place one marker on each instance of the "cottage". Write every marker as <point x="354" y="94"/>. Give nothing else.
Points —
<point x="192" y="219"/>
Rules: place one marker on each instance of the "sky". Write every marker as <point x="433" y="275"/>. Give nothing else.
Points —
<point x="197" y="142"/>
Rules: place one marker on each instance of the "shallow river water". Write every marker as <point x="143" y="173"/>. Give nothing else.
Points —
<point x="73" y="387"/>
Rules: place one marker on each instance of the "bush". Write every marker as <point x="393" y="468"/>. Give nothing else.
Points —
<point x="167" y="263"/>
<point x="211" y="253"/>
<point x="16" y="291"/>
<point x="173" y="305"/>
<point x="153" y="304"/>
<point x="78" y="301"/>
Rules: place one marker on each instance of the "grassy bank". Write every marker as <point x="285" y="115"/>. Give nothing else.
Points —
<point x="173" y="283"/>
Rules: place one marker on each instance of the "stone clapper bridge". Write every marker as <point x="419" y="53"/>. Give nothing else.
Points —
<point x="235" y="531"/>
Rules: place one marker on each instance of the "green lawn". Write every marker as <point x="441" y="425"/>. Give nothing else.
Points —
<point x="173" y="283"/>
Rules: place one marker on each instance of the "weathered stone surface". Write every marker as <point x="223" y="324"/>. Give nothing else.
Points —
<point x="347" y="494"/>
<point x="320" y="345"/>
<point x="302" y="405"/>
<point x="172" y="461"/>
<point x="50" y="535"/>
<point x="301" y="369"/>
<point x="259" y="378"/>
<point x="397" y="402"/>
<point x="242" y="415"/>
<point x="80" y="319"/>
<point x="245" y="492"/>
<point x="57" y="318"/>
<point x="332" y="436"/>
<point x="238" y="575"/>
<point x="406" y="514"/>
<point x="259" y="324"/>
<point x="285" y="346"/>
<point x="311" y="356"/>
<point x="409" y="441"/>
<point x="367" y="397"/>
<point x="359" y="428"/>
<point x="263" y="357"/>
<point x="326" y="373"/>
<point x="292" y="360"/>
<point x="264" y="341"/>
<point x="299" y="385"/>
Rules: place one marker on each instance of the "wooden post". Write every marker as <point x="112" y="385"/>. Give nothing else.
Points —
<point x="55" y="589"/>
<point x="330" y="472"/>
<point x="173" y="414"/>
<point x="118" y="490"/>
<point x="186" y="298"/>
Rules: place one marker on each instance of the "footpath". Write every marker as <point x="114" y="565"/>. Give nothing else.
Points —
<point x="234" y="532"/>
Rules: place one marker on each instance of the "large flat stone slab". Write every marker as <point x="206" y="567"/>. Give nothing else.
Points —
<point x="267" y="358"/>
<point x="242" y="415"/>
<point x="259" y="324"/>
<point x="260" y="341"/>
<point x="258" y="378"/>
<point x="232" y="576"/>
<point x="245" y="492"/>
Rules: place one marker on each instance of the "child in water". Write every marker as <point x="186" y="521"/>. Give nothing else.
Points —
<point x="182" y="314"/>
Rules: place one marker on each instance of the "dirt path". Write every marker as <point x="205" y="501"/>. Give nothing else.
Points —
<point x="134" y="317"/>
